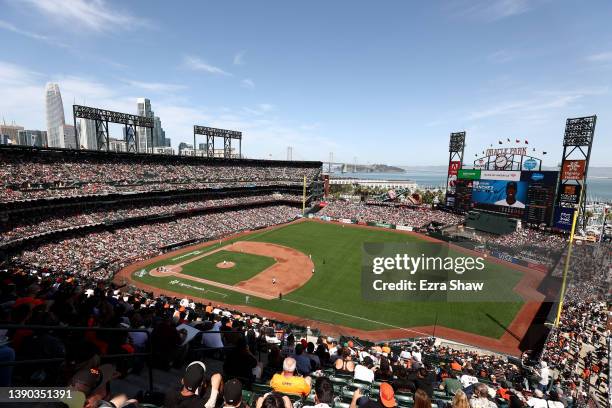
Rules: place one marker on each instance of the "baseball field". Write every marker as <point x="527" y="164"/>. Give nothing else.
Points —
<point x="317" y="267"/>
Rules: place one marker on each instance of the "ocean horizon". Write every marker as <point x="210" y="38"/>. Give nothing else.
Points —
<point x="599" y="187"/>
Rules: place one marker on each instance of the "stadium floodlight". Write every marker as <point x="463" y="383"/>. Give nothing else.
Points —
<point x="212" y="133"/>
<point x="579" y="131"/>
<point x="457" y="142"/>
<point x="102" y="117"/>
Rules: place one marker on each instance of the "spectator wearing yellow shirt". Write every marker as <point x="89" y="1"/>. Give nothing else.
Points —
<point x="288" y="383"/>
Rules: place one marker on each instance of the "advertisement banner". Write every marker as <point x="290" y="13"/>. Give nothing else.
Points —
<point x="380" y="224"/>
<point x="500" y="192"/>
<point x="403" y="228"/>
<point x="530" y="164"/>
<point x="469" y="174"/>
<point x="563" y="218"/>
<point x="345" y="221"/>
<point x="573" y="170"/>
<point x="570" y="193"/>
<point x="452" y="184"/>
<point x="453" y="167"/>
<point x="540" y="177"/>
<point x="500" y="175"/>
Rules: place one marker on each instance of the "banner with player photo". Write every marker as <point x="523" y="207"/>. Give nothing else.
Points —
<point x="500" y="192"/>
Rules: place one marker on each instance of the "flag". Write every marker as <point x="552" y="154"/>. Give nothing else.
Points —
<point x="508" y="139"/>
<point x="500" y="142"/>
<point x="518" y="141"/>
<point x="543" y="152"/>
<point x="526" y="141"/>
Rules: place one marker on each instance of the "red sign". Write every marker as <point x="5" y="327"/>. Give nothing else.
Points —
<point x="573" y="170"/>
<point x="453" y="168"/>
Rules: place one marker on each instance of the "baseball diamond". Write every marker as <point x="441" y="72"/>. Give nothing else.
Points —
<point x="332" y="296"/>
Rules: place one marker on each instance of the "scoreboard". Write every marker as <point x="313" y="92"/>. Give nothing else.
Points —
<point x="528" y="195"/>
<point x="540" y="196"/>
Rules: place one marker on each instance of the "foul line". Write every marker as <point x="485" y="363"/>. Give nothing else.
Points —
<point x="355" y="317"/>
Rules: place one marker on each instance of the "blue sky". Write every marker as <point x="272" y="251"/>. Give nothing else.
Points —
<point x="376" y="81"/>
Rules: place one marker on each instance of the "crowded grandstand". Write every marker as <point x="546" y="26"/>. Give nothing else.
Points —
<point x="71" y="220"/>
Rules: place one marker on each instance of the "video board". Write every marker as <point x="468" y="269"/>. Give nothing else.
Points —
<point x="529" y="195"/>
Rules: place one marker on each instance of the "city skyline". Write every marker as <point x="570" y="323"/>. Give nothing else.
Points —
<point x="380" y="85"/>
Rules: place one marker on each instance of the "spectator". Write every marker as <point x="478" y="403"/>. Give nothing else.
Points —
<point x="537" y="400"/>
<point x="288" y="383"/>
<point x="421" y="399"/>
<point x="460" y="400"/>
<point x="94" y="383"/>
<point x="232" y="394"/>
<point x="344" y="364"/>
<point x="363" y="372"/>
<point x="273" y="400"/>
<point x="324" y="393"/>
<point x="480" y="398"/>
<point x="195" y="390"/>
<point x="544" y="376"/>
<point x="314" y="358"/>
<point x="302" y="360"/>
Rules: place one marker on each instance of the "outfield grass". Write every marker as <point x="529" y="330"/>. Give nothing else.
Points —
<point x="333" y="294"/>
<point x="247" y="266"/>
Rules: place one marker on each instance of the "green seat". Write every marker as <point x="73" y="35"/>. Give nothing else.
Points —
<point x="347" y="394"/>
<point x="338" y="380"/>
<point x="293" y="397"/>
<point x="404" y="398"/>
<point x="261" y="388"/>
<point x="310" y="397"/>
<point x="247" y="397"/>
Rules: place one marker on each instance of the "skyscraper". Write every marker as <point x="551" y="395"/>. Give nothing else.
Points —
<point x="87" y="134"/>
<point x="55" y="116"/>
<point x="144" y="134"/>
<point x="149" y="138"/>
<point x="32" y="138"/>
<point x="11" y="131"/>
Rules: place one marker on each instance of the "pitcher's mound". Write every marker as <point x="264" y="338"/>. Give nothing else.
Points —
<point x="226" y="265"/>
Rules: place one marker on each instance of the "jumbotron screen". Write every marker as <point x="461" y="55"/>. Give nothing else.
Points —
<point x="529" y="195"/>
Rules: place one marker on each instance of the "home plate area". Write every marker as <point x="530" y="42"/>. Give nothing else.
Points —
<point x="291" y="269"/>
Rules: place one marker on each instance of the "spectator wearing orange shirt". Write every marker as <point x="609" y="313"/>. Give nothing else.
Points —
<point x="288" y="383"/>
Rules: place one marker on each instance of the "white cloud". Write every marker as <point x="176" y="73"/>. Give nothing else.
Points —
<point x="502" y="56"/>
<point x="154" y="86"/>
<point x="197" y="64"/>
<point x="239" y="58"/>
<point x="5" y="25"/>
<point x="95" y="15"/>
<point x="247" y="83"/>
<point x="541" y="101"/>
<point x="600" y="57"/>
<point x="23" y="92"/>
<point x="491" y="10"/>
<point x="258" y="110"/>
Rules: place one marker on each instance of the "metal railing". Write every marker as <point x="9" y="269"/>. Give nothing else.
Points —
<point x="147" y="354"/>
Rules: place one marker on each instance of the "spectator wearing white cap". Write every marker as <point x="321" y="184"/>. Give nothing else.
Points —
<point x="288" y="383"/>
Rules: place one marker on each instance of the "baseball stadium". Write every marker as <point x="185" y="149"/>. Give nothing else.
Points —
<point x="305" y="204"/>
